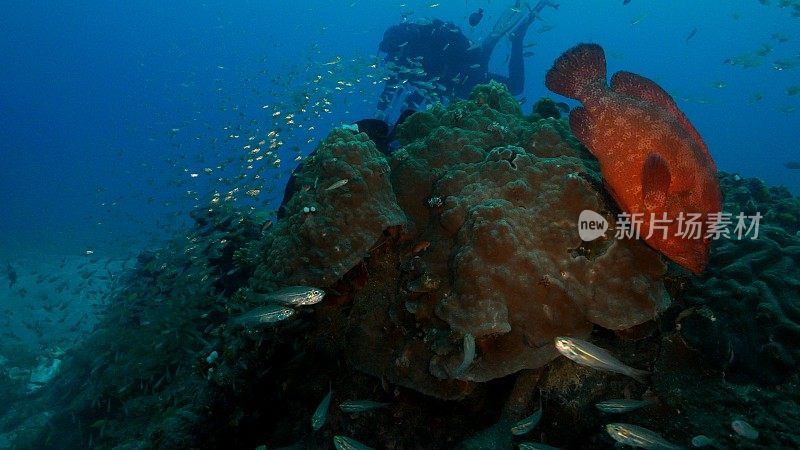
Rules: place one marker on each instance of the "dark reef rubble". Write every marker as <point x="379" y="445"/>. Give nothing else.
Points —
<point x="468" y="231"/>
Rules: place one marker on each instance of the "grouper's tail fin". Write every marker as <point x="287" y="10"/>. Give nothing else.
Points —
<point x="577" y="68"/>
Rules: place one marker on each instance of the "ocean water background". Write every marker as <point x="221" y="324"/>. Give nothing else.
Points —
<point x="108" y="109"/>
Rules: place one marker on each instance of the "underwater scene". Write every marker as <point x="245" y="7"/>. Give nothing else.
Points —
<point x="473" y="224"/>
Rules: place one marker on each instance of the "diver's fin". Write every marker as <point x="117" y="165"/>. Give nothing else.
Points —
<point x="655" y="183"/>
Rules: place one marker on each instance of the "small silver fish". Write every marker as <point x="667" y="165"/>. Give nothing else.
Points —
<point x="357" y="406"/>
<point x="525" y="425"/>
<point x="346" y="443"/>
<point x="621" y="405"/>
<point x="292" y="296"/>
<point x="702" y="440"/>
<point x="536" y="446"/>
<point x="321" y="414"/>
<point x="264" y="315"/>
<point x="588" y="354"/>
<point x="744" y="429"/>
<point x="637" y="436"/>
<point x="469" y="356"/>
<point x="338" y="184"/>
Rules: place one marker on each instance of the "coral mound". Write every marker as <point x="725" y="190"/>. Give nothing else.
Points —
<point x="753" y="286"/>
<point x="328" y="229"/>
<point x="490" y="251"/>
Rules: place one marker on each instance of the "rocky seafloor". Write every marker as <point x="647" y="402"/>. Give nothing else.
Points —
<point x="467" y="233"/>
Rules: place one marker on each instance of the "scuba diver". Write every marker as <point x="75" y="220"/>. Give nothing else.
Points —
<point x="428" y="60"/>
<point x="11" y="274"/>
<point x="433" y="59"/>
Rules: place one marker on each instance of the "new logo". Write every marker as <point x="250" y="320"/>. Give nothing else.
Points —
<point x="591" y="225"/>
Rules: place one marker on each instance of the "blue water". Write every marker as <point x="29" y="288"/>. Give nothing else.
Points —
<point x="106" y="108"/>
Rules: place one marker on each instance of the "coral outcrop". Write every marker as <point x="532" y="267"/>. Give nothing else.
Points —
<point x="489" y="250"/>
<point x="752" y="287"/>
<point x="447" y="266"/>
<point x="329" y="226"/>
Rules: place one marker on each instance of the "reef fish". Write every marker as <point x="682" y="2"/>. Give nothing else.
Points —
<point x="346" y="443"/>
<point x="292" y="296"/>
<point x="469" y="356"/>
<point x="525" y="425"/>
<point x="321" y="413"/>
<point x="621" y="405"/>
<point x="637" y="436"/>
<point x="744" y="429"/>
<point x="337" y="184"/>
<point x="702" y="440"/>
<point x="265" y="315"/>
<point x="357" y="406"/>
<point x="653" y="161"/>
<point x="691" y="35"/>
<point x="794" y="165"/>
<point x="588" y="354"/>
<point x="475" y="18"/>
<point x="536" y="446"/>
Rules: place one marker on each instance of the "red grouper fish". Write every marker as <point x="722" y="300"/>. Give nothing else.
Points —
<point x="653" y="161"/>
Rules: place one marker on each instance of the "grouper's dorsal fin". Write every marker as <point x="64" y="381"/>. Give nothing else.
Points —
<point x="655" y="183"/>
<point x="637" y="86"/>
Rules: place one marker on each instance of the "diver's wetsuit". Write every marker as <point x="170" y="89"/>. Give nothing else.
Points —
<point x="436" y="59"/>
<point x="421" y="53"/>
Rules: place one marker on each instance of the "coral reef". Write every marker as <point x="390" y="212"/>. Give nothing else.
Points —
<point x="544" y="108"/>
<point x="502" y="261"/>
<point x="448" y="267"/>
<point x="752" y="287"/>
<point x="494" y="200"/>
<point x="775" y="203"/>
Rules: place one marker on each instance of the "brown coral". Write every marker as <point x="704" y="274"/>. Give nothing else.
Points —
<point x="317" y="247"/>
<point x="509" y="223"/>
<point x="497" y="198"/>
